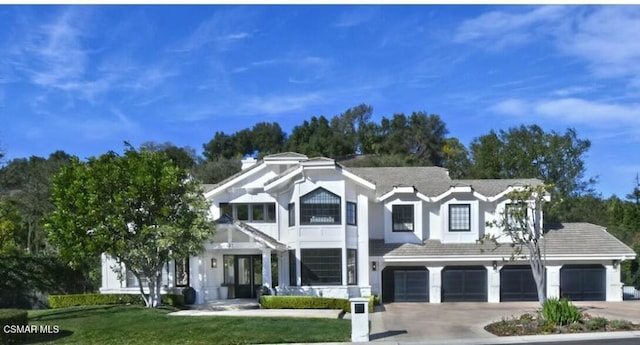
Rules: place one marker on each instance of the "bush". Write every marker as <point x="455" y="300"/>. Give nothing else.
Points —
<point x="560" y="311"/>
<point x="64" y="301"/>
<point x="620" y="324"/>
<point x="547" y="326"/>
<point x="11" y="317"/>
<point x="596" y="323"/>
<point x="575" y="327"/>
<point x="309" y="302"/>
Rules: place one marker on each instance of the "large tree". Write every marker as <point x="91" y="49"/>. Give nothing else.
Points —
<point x="529" y="151"/>
<point x="139" y="208"/>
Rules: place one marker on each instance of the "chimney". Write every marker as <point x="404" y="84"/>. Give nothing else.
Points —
<point x="248" y="163"/>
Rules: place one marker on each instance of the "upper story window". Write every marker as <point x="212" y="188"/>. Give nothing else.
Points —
<point x="516" y="215"/>
<point x="402" y="218"/>
<point x="292" y="214"/>
<point x="320" y="207"/>
<point x="459" y="217"/>
<point x="352" y="218"/>
<point x="265" y="213"/>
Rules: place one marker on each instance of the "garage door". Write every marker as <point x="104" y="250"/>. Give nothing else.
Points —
<point x="517" y="284"/>
<point x="405" y="284"/>
<point x="464" y="284"/>
<point x="583" y="282"/>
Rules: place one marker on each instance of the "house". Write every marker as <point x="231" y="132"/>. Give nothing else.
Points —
<point x="310" y="226"/>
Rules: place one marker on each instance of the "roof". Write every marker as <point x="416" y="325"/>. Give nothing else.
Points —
<point x="493" y="187"/>
<point x="285" y="155"/>
<point x="430" y="181"/>
<point x="560" y="240"/>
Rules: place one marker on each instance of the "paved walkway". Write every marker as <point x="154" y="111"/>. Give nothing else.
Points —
<point x="312" y="313"/>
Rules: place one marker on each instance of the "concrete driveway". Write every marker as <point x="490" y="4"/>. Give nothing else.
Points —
<point x="424" y="321"/>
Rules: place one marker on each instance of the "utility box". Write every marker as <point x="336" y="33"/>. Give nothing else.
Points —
<point x="359" y="319"/>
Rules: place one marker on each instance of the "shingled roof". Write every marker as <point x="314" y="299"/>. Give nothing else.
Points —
<point x="430" y="181"/>
<point x="560" y="239"/>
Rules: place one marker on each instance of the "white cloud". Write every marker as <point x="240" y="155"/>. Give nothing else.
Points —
<point x="356" y="16"/>
<point x="573" y="90"/>
<point x="277" y="105"/>
<point x="607" y="39"/>
<point x="500" y="29"/>
<point x="511" y="107"/>
<point x="575" y="111"/>
<point x="221" y="30"/>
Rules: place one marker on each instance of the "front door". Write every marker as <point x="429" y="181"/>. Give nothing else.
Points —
<point x="248" y="272"/>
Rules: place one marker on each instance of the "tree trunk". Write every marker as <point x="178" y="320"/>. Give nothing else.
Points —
<point x="141" y="286"/>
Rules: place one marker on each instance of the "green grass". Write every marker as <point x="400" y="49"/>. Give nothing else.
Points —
<point x="116" y="324"/>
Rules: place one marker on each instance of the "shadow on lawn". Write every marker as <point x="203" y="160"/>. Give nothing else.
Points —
<point x="44" y="337"/>
<point x="66" y="313"/>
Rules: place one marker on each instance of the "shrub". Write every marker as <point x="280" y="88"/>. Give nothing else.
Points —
<point x="619" y="324"/>
<point x="547" y="327"/>
<point x="575" y="327"/>
<point x="64" y="301"/>
<point x="596" y="323"/>
<point x="560" y="311"/>
<point x="309" y="302"/>
<point x="11" y="317"/>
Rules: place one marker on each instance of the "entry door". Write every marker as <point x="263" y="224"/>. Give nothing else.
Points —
<point x="248" y="272"/>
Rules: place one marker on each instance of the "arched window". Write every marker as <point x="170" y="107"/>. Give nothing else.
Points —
<point x="319" y="207"/>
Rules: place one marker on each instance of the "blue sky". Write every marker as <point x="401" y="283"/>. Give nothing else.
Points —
<point x="85" y="78"/>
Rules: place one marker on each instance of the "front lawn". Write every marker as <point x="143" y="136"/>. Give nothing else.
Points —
<point x="116" y="324"/>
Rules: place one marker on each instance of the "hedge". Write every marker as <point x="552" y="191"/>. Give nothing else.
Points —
<point x="64" y="301"/>
<point x="11" y="317"/>
<point x="308" y="302"/>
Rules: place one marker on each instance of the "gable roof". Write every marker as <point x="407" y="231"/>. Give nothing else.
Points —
<point x="430" y="181"/>
<point x="561" y="240"/>
<point x="493" y="187"/>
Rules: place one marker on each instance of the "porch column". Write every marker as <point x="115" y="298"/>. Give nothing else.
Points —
<point x="266" y="267"/>
<point x="493" y="283"/>
<point x="435" y="284"/>
<point x="553" y="281"/>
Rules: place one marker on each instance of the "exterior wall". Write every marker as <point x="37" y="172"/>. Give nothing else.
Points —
<point x="476" y="221"/>
<point x="414" y="236"/>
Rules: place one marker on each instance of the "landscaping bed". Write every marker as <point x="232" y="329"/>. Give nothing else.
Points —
<point x="557" y="317"/>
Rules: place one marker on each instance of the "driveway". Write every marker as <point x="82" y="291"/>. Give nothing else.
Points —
<point x="422" y="321"/>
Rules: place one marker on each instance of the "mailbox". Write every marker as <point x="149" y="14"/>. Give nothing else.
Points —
<point x="359" y="319"/>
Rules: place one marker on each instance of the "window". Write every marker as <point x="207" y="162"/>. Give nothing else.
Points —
<point x="229" y="274"/>
<point x="321" y="266"/>
<point x="257" y="213"/>
<point x="320" y="207"/>
<point x="352" y="267"/>
<point x="402" y="217"/>
<point x="516" y="215"/>
<point x="226" y="209"/>
<point x="182" y="272"/>
<point x="242" y="211"/>
<point x="270" y="213"/>
<point x="292" y="214"/>
<point x="459" y="217"/>
<point x="351" y="213"/>
<point x="263" y="213"/>
<point x="132" y="281"/>
<point x="293" y="279"/>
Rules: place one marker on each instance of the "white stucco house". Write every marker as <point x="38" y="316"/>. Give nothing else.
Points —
<point x="314" y="227"/>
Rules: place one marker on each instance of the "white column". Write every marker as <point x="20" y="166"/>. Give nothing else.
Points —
<point x="363" y="242"/>
<point x="493" y="283"/>
<point x="266" y="267"/>
<point x="614" y="286"/>
<point x="553" y="281"/>
<point x="435" y="284"/>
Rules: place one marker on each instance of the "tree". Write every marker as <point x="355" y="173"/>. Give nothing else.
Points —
<point x="455" y="158"/>
<point x="182" y="157"/>
<point x="521" y="223"/>
<point x="138" y="208"/>
<point x="530" y="152"/>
